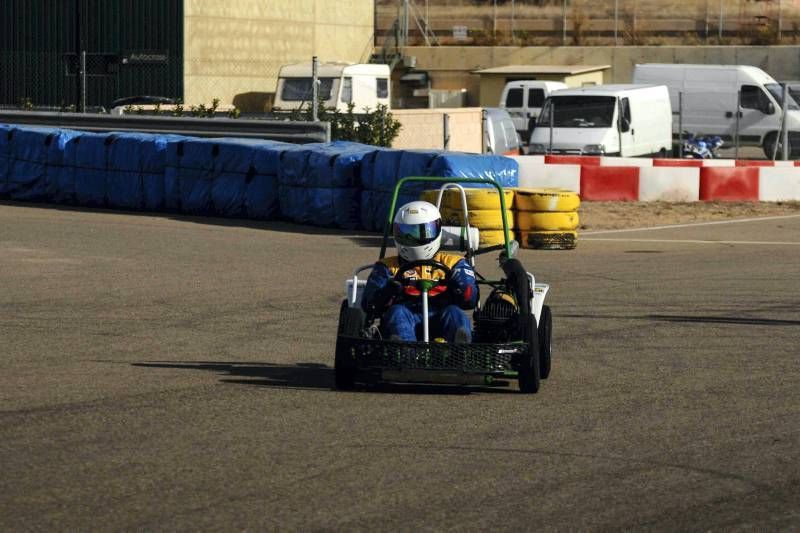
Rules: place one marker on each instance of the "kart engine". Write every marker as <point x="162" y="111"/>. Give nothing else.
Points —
<point x="497" y="319"/>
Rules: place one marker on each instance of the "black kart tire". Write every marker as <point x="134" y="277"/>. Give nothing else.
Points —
<point x="351" y="324"/>
<point x="529" y="377"/>
<point x="545" y="335"/>
<point x="518" y="283"/>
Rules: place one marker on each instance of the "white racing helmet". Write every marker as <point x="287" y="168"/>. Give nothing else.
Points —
<point x="417" y="231"/>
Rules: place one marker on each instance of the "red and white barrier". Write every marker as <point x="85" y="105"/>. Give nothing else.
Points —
<point x="669" y="180"/>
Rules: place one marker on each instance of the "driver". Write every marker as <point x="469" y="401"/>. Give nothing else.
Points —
<point x="417" y="233"/>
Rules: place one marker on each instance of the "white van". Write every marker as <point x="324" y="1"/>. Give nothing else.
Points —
<point x="523" y="99"/>
<point x="364" y="84"/>
<point x="622" y="120"/>
<point x="709" y="102"/>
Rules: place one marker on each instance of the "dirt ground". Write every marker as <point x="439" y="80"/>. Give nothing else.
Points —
<point x="620" y="215"/>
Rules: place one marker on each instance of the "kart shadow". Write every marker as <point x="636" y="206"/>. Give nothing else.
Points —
<point x="314" y="376"/>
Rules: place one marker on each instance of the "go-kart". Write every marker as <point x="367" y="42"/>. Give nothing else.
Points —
<point x="511" y="328"/>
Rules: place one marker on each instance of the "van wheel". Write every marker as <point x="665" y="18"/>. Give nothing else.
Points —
<point x="769" y="146"/>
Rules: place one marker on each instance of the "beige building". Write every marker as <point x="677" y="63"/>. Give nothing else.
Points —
<point x="458" y="67"/>
<point x="492" y="80"/>
<point x="233" y="50"/>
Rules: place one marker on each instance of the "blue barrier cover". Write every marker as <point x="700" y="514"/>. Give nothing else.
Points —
<point x="90" y="164"/>
<point x="153" y="167"/>
<point x="501" y="169"/>
<point x="375" y="207"/>
<point x="29" y="157"/>
<point x="125" y="156"/>
<point x="231" y="172"/>
<point x="383" y="173"/>
<point x="331" y="207"/>
<point x="196" y="174"/>
<point x="6" y="132"/>
<point x="320" y="183"/>
<point x="336" y="165"/>
<point x="261" y="197"/>
<point x="57" y="169"/>
<point x="367" y="170"/>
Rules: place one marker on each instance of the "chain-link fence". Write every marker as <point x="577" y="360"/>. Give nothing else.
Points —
<point x="95" y="82"/>
<point x="587" y="22"/>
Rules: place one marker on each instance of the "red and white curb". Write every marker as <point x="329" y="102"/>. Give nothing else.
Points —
<point x="670" y="180"/>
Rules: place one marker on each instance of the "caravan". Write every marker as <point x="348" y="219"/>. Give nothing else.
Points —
<point x="365" y="85"/>
<point x="622" y="120"/>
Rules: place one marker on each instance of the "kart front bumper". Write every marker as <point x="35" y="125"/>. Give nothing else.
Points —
<point x="432" y="362"/>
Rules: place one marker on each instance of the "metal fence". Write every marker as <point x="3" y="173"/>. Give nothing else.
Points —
<point x="586" y="22"/>
<point x="91" y="81"/>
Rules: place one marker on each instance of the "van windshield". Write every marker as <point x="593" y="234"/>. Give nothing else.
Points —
<point x="776" y="91"/>
<point x="299" y="89"/>
<point x="579" y="111"/>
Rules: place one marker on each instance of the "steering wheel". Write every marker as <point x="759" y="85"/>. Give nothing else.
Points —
<point x="415" y="287"/>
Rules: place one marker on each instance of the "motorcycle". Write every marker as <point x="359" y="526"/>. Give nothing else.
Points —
<point x="701" y="146"/>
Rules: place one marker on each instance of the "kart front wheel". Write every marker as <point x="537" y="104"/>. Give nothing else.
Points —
<point x="351" y="324"/>
<point x="530" y="364"/>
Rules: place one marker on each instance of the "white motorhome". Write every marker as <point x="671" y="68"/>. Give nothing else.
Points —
<point x="623" y="120"/>
<point x="523" y="99"/>
<point x="364" y="84"/>
<point x="708" y="96"/>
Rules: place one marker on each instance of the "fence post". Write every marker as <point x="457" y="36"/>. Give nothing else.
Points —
<point x="314" y="88"/>
<point x="445" y="131"/>
<point x="83" y="81"/>
<point x="551" y="117"/>
<point x="784" y="125"/>
<point x="484" y="132"/>
<point x="680" y="125"/>
<point x="736" y="133"/>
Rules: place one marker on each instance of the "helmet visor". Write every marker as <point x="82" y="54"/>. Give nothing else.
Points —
<point x="417" y="234"/>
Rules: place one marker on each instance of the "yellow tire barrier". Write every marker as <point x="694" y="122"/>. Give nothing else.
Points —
<point x="528" y="221"/>
<point x="483" y="219"/>
<point x="482" y="199"/>
<point x="490" y="237"/>
<point x="546" y="200"/>
<point x="431" y="195"/>
<point x="548" y="240"/>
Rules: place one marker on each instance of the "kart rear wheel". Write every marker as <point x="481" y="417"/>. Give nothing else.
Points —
<point x="530" y="365"/>
<point x="545" y="333"/>
<point x="351" y="324"/>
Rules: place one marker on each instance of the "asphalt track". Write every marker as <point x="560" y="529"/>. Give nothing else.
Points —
<point x="175" y="373"/>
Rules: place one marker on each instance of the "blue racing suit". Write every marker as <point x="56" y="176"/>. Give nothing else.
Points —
<point x="402" y="309"/>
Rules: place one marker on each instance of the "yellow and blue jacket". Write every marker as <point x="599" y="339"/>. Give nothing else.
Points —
<point x="462" y="288"/>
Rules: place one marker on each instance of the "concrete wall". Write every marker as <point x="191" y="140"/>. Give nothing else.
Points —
<point x="451" y="66"/>
<point x="234" y="49"/>
<point x="424" y="128"/>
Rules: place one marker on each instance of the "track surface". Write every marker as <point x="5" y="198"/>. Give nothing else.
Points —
<point x="164" y="373"/>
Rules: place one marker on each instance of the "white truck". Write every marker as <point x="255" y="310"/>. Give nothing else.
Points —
<point x="708" y="96"/>
<point x="620" y="120"/>
<point x="364" y="84"/>
<point x="523" y="99"/>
